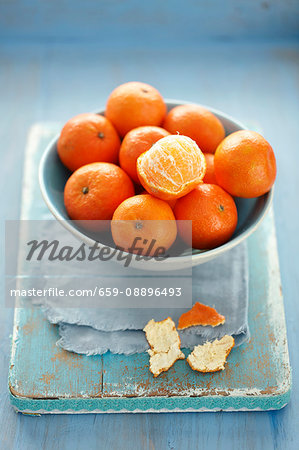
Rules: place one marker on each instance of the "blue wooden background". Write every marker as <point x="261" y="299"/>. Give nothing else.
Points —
<point x="136" y="22"/>
<point x="59" y="58"/>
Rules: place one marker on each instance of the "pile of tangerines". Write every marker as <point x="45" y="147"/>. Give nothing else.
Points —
<point x="142" y="167"/>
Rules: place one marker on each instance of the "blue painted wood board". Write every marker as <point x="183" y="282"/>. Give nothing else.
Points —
<point x="255" y="82"/>
<point x="45" y="378"/>
<point x="148" y="22"/>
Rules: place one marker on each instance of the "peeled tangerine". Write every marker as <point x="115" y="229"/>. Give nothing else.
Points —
<point x="172" y="167"/>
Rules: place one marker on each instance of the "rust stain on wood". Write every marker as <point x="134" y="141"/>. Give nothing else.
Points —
<point x="269" y="390"/>
<point x="29" y="327"/>
<point x="73" y="360"/>
<point x="47" y="377"/>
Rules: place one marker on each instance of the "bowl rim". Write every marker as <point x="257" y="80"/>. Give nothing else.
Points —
<point x="202" y="255"/>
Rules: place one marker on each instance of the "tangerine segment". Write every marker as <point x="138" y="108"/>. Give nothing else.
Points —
<point x="143" y="224"/>
<point x="173" y="167"/>
<point x="200" y="314"/>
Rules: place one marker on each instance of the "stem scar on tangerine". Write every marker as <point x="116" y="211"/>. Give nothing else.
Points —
<point x="213" y="213"/>
<point x="88" y="138"/>
<point x="135" y="104"/>
<point x="94" y="191"/>
<point x="147" y="218"/>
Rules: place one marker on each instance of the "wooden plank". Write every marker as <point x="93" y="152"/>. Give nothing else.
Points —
<point x="40" y="370"/>
<point x="259" y="368"/>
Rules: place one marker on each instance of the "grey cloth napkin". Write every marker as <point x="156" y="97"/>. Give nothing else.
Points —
<point x="221" y="283"/>
<point x="89" y="341"/>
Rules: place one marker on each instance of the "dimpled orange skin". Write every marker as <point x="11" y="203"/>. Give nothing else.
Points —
<point x="198" y="123"/>
<point x="146" y="217"/>
<point x="210" y="176"/>
<point x="172" y="167"/>
<point x="136" y="142"/>
<point x="245" y="164"/>
<point x="200" y="314"/>
<point x="88" y="138"/>
<point x="94" y="191"/>
<point x="213" y="213"/>
<point x="133" y="105"/>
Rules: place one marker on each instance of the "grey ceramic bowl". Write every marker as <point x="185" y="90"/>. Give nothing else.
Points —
<point x="53" y="176"/>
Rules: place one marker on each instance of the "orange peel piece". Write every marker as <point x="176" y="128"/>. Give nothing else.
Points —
<point x="211" y="356"/>
<point x="165" y="343"/>
<point x="172" y="167"/>
<point x="200" y="314"/>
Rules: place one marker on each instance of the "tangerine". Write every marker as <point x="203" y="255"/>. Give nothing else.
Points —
<point x="147" y="219"/>
<point x="88" y="138"/>
<point x="135" y="104"/>
<point x="245" y="164"/>
<point x="198" y="123"/>
<point x="136" y="142"/>
<point x="213" y="213"/>
<point x="170" y="202"/>
<point x="94" y="191"/>
<point x="210" y="176"/>
<point x="172" y="167"/>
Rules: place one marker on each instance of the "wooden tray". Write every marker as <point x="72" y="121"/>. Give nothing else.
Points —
<point x="43" y="378"/>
